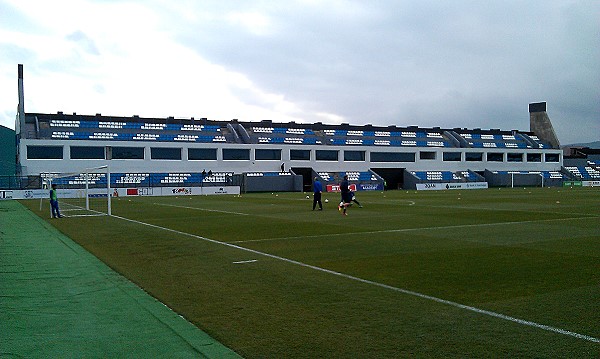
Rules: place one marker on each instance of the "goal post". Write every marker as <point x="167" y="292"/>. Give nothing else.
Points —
<point x="82" y="193"/>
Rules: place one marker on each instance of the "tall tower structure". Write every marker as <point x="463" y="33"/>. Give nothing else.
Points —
<point x="540" y="124"/>
<point x="20" y="120"/>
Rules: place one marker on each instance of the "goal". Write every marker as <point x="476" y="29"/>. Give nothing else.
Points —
<point x="82" y="193"/>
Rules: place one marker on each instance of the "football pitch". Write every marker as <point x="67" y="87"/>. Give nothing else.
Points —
<point x="480" y="273"/>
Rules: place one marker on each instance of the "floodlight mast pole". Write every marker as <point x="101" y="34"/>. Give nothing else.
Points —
<point x="87" y="190"/>
<point x="108" y="194"/>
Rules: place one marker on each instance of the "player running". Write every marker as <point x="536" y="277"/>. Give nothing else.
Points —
<point x="353" y="196"/>
<point x="346" y="196"/>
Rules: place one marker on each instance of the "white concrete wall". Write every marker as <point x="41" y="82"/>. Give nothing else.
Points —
<point x="35" y="167"/>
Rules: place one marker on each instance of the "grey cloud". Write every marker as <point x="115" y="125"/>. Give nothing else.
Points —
<point x="87" y="44"/>
<point x="427" y="63"/>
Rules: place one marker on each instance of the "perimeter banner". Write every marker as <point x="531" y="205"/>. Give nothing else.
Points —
<point x="450" y="186"/>
<point x="336" y="187"/>
<point x="121" y="192"/>
<point x="175" y="191"/>
<point x="591" y="183"/>
<point x="6" y="195"/>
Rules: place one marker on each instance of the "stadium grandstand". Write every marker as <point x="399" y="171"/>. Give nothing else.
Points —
<point x="266" y="156"/>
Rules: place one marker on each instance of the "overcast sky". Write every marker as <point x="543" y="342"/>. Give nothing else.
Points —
<point x="473" y="64"/>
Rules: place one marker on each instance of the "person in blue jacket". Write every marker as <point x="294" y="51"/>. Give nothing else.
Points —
<point x="317" y="191"/>
<point x="54" y="202"/>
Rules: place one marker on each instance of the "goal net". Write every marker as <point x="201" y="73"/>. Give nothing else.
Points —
<point x="83" y="193"/>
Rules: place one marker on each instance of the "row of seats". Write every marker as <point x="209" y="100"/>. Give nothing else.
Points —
<point x="540" y="143"/>
<point x="73" y="135"/>
<point x="404" y="134"/>
<point x="64" y="129"/>
<point x="545" y="174"/>
<point x="353" y="176"/>
<point x="283" y="130"/>
<point x="134" y="125"/>
<point x="483" y="140"/>
<point x="498" y="144"/>
<point x="361" y="176"/>
<point x="436" y="175"/>
<point x="445" y="176"/>
<point x="584" y="172"/>
<point x="267" y="174"/>
<point x="144" y="179"/>
<point x="367" y="142"/>
<point x="290" y="140"/>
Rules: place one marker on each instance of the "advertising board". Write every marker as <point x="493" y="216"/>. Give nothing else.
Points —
<point x="451" y="186"/>
<point x="591" y="183"/>
<point x="336" y="187"/>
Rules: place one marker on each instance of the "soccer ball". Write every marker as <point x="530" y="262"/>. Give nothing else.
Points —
<point x="326" y="200"/>
<point x="307" y="196"/>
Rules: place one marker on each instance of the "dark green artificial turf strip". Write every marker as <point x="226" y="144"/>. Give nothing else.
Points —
<point x="533" y="254"/>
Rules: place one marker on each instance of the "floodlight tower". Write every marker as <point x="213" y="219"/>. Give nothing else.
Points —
<point x="540" y="124"/>
<point x="20" y="119"/>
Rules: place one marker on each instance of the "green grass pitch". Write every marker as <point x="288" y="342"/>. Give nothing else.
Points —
<point x="418" y="274"/>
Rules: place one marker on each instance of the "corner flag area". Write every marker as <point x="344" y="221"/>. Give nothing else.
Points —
<point x="58" y="300"/>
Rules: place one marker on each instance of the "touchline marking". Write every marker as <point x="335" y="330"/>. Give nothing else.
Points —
<point x="200" y="209"/>
<point x="412" y="229"/>
<point x="381" y="285"/>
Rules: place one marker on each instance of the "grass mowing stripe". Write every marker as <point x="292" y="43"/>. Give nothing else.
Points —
<point x="381" y="285"/>
<point x="201" y="209"/>
<point x="511" y="210"/>
<point x="413" y="229"/>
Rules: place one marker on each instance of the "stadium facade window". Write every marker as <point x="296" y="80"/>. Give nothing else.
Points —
<point x="534" y="157"/>
<point x="393" y="156"/>
<point x="427" y="155"/>
<point x="514" y="157"/>
<point x="495" y="157"/>
<point x="127" y="153"/>
<point x="87" y="153"/>
<point x="44" y="152"/>
<point x="202" y="154"/>
<point x="474" y="156"/>
<point x="238" y="154"/>
<point x="452" y="156"/>
<point x="165" y="153"/>
<point x="552" y="157"/>
<point x="354" y="156"/>
<point x="300" y="155"/>
<point x="267" y="154"/>
<point x="326" y="155"/>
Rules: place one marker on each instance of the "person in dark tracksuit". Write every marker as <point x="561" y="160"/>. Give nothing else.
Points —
<point x="317" y="191"/>
<point x="346" y="196"/>
<point x="54" y="202"/>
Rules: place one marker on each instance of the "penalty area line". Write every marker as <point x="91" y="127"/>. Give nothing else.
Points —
<point x="381" y="285"/>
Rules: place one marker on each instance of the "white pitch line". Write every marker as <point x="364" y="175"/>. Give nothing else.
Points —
<point x="244" y="262"/>
<point x="412" y="229"/>
<point x="201" y="209"/>
<point x="366" y="281"/>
